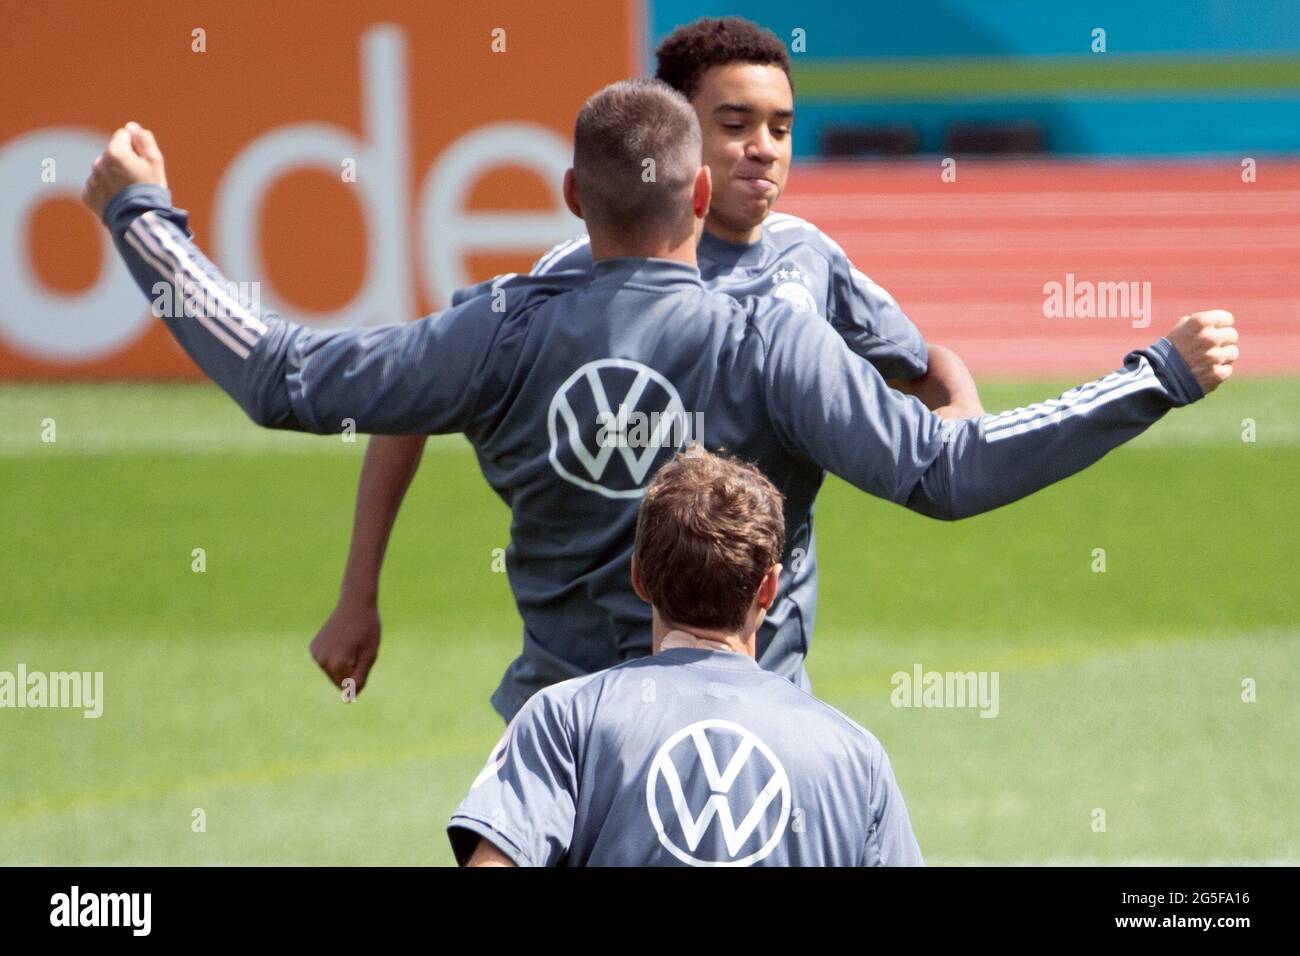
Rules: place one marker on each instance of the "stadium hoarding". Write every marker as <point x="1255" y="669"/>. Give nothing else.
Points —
<point x="357" y="164"/>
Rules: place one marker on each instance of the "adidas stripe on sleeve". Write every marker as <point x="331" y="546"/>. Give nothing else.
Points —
<point x="420" y="377"/>
<point x="835" y="409"/>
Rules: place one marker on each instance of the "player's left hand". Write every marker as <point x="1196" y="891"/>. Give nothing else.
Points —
<point x="132" y="156"/>
<point x="1207" y="341"/>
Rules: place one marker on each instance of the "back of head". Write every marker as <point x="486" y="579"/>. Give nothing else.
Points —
<point x="709" y="529"/>
<point x="636" y="152"/>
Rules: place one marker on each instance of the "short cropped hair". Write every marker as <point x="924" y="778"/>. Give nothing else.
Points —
<point x="690" y="50"/>
<point x="636" y="152"/>
<point x="710" y="527"/>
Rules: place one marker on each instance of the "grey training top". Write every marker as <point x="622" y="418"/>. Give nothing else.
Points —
<point x="692" y="757"/>
<point x="574" y="388"/>
<point x="796" y="262"/>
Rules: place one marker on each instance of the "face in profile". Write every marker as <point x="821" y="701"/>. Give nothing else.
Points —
<point x="746" y="111"/>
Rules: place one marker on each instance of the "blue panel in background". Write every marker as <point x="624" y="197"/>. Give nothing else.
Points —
<point x="1008" y="27"/>
<point x="1076" y="121"/>
<point x="1109" y="126"/>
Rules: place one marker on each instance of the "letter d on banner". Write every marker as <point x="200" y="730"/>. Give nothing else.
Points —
<point x="383" y="159"/>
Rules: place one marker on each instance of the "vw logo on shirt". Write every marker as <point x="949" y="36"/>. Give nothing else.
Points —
<point x="612" y="422"/>
<point x="717" y="795"/>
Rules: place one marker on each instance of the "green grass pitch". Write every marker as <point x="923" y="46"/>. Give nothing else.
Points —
<point x="1119" y="690"/>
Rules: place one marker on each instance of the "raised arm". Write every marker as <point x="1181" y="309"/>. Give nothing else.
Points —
<point x="837" y="411"/>
<point x="423" y="377"/>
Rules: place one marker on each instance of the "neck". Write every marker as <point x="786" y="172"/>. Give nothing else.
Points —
<point x="684" y="251"/>
<point x="741" y="236"/>
<point x="666" y="636"/>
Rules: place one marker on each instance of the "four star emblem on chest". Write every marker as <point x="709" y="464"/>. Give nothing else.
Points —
<point x="789" y="275"/>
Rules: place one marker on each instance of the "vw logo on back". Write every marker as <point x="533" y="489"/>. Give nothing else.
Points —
<point x="612" y="422"/>
<point x="717" y="795"/>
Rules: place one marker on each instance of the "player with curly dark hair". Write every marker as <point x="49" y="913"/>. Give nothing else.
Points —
<point x="688" y="52"/>
<point x="736" y="75"/>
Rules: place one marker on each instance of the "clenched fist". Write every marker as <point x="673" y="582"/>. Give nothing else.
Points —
<point x="1207" y="342"/>
<point x="132" y="156"/>
<point x="348" y="644"/>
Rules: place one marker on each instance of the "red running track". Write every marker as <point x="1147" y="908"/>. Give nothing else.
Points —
<point x="968" y="260"/>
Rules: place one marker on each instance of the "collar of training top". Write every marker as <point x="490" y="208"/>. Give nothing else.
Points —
<point x="634" y="270"/>
<point x="714" y="657"/>
<point x="724" y="253"/>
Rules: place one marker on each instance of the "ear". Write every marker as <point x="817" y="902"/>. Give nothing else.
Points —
<point x="702" y="194"/>
<point x="636" y="582"/>
<point x="571" y="193"/>
<point x="768" y="586"/>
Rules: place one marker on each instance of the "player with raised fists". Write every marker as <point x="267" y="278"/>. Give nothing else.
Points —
<point x="774" y="384"/>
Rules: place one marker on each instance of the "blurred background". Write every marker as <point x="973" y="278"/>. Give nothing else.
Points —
<point x="1113" y="142"/>
<point x="966" y="154"/>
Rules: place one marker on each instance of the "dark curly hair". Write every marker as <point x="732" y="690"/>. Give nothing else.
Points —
<point x="690" y="50"/>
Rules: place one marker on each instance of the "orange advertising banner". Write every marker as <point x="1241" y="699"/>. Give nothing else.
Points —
<point x="358" y="161"/>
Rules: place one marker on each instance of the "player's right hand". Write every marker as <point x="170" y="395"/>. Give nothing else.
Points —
<point x="348" y="643"/>
<point x="1207" y="341"/>
<point x="132" y="156"/>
